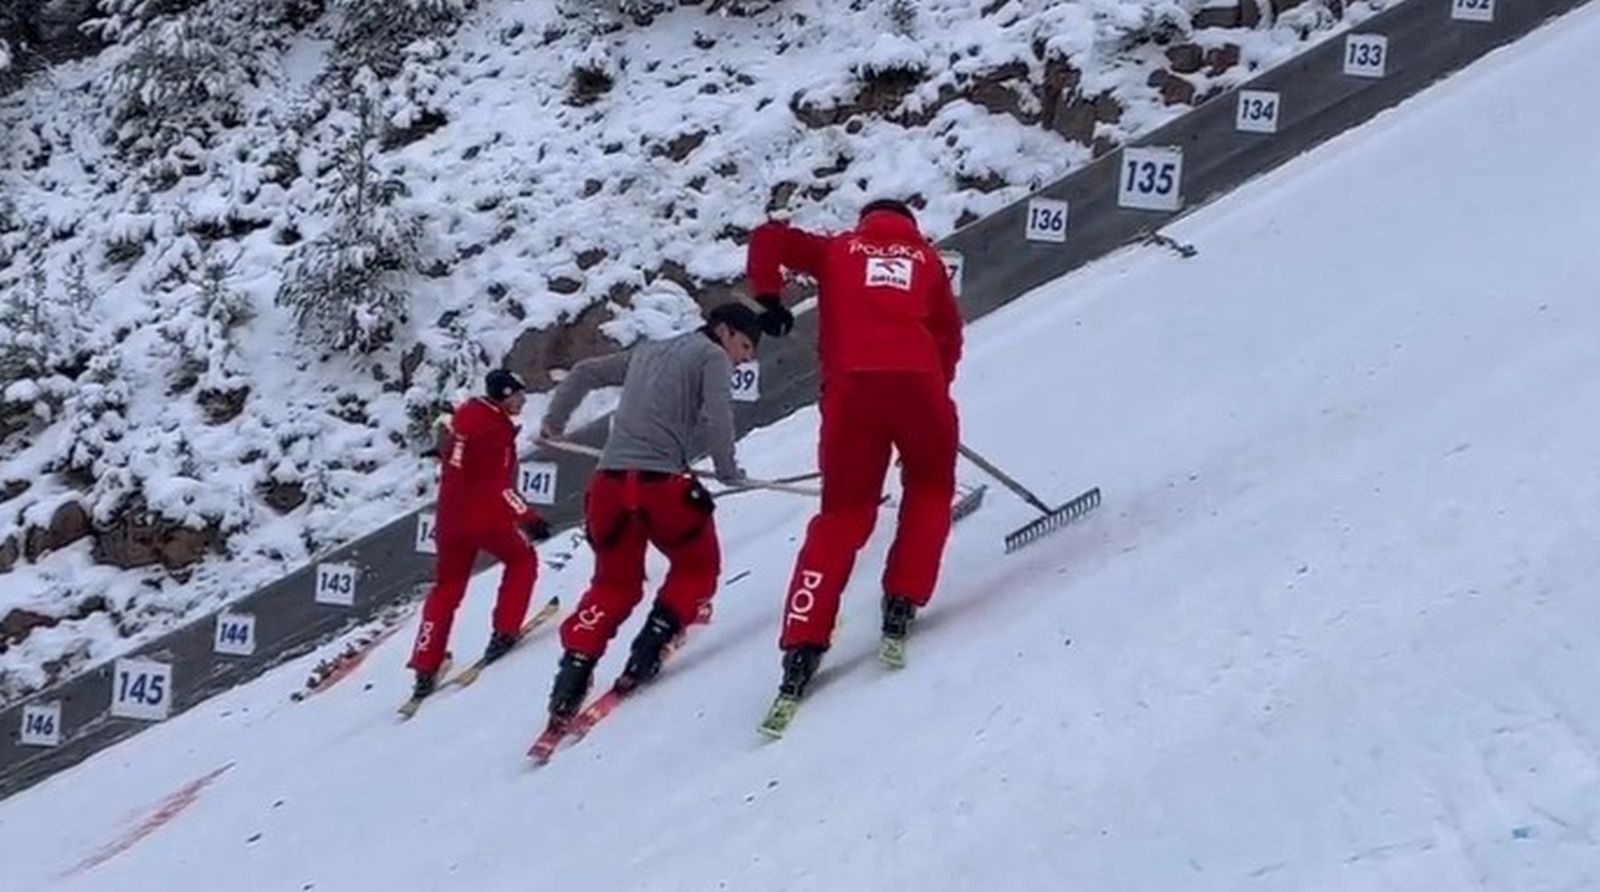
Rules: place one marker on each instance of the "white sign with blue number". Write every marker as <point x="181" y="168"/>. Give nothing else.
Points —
<point x="1472" y="10"/>
<point x="425" y="543"/>
<point x="1047" y="220"/>
<point x="1365" y="55"/>
<point x="1258" y="112"/>
<point x="953" y="264"/>
<point x="538" y="482"/>
<point x="41" y="724"/>
<point x="236" y="634"/>
<point x="141" y="689"/>
<point x="336" y="584"/>
<point x="747" y="381"/>
<point x="1151" y="178"/>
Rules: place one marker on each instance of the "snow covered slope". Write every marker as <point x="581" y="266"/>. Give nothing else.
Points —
<point x="1332" y="628"/>
<point x="212" y="445"/>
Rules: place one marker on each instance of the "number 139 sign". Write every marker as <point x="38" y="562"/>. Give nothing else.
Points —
<point x="747" y="381"/>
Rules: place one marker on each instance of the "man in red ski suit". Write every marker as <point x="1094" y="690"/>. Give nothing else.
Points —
<point x="889" y="338"/>
<point x="479" y="509"/>
<point x="676" y="397"/>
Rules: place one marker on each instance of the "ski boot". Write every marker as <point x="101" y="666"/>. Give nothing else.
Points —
<point x="499" y="645"/>
<point x="426" y="683"/>
<point x="644" y="662"/>
<point x="573" y="677"/>
<point x="898" y="614"/>
<point x="799" y="665"/>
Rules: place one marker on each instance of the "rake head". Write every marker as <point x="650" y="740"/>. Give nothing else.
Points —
<point x="1055" y="520"/>
<point x="967" y="502"/>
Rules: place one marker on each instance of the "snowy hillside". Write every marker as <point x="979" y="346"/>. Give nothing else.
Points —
<point x="249" y="250"/>
<point x="1329" y="630"/>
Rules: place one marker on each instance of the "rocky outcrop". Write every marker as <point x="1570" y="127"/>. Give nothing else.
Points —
<point x="139" y="539"/>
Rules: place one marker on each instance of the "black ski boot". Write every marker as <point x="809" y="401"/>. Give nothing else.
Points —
<point x="426" y="683"/>
<point x="898" y="614"/>
<point x="573" y="677"/>
<point x="644" y="662"/>
<point x="499" y="645"/>
<point x="799" y="665"/>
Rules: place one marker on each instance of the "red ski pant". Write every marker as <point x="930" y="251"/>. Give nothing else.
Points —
<point x="624" y="511"/>
<point x="453" y="570"/>
<point x="865" y="415"/>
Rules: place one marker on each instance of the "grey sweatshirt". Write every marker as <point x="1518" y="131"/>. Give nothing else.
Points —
<point x="676" y="402"/>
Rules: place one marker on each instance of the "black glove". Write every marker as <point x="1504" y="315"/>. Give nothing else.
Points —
<point x="537" y="529"/>
<point x="775" y="319"/>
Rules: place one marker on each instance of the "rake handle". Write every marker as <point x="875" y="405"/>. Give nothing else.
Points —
<point x="1004" y="478"/>
<point x="773" y="485"/>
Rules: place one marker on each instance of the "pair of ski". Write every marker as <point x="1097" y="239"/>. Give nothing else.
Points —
<point x="569" y="732"/>
<point x="891" y="653"/>
<point x="470" y="674"/>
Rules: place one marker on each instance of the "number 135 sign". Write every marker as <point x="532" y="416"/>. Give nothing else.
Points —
<point x="1152" y="179"/>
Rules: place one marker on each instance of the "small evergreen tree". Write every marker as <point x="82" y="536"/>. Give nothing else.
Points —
<point x="204" y="330"/>
<point x="183" y="79"/>
<point x="903" y="16"/>
<point x="44" y="342"/>
<point x="374" y="33"/>
<point x="347" y="285"/>
<point x="455" y="364"/>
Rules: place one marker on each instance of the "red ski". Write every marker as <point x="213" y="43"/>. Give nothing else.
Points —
<point x="545" y="745"/>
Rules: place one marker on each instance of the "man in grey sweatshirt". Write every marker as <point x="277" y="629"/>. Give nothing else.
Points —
<point x="676" y="403"/>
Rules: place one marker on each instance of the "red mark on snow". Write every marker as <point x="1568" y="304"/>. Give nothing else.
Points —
<point x="170" y="808"/>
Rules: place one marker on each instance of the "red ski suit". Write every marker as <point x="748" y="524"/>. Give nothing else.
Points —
<point x="479" y="509"/>
<point x="623" y="512"/>
<point x="889" y="338"/>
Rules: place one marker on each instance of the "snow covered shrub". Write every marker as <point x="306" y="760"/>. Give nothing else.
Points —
<point x="204" y="332"/>
<point x="120" y="20"/>
<point x="608" y="14"/>
<point x="452" y="367"/>
<point x="374" y="33"/>
<point x="18" y="31"/>
<point x="347" y="286"/>
<point x="902" y="16"/>
<point x="295" y="14"/>
<point x="594" y="72"/>
<point x="741" y="7"/>
<point x="95" y="410"/>
<point x="43" y="343"/>
<point x="182" y="80"/>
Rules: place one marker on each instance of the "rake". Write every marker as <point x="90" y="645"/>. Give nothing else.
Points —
<point x="1053" y="519"/>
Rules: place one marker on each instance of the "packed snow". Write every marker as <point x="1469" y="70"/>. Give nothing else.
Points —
<point x="1330" y="629"/>
<point x="205" y="405"/>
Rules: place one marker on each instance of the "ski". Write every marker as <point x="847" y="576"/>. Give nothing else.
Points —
<point x="576" y="728"/>
<point x="892" y="653"/>
<point x="779" y="716"/>
<point x="470" y="674"/>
